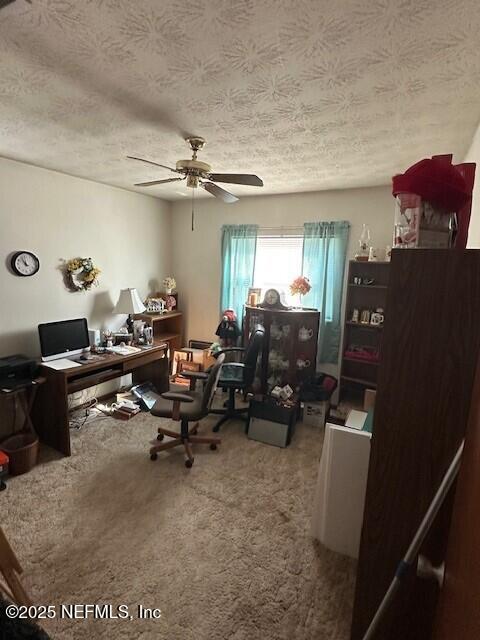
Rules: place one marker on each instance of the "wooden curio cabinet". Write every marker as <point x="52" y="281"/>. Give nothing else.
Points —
<point x="290" y="348"/>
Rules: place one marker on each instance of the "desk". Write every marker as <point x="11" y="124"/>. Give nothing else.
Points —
<point x="50" y="409"/>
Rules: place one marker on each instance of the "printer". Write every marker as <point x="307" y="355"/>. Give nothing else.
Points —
<point x="17" y="371"/>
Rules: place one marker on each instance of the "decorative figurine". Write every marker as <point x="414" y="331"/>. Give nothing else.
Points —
<point x="228" y="330"/>
<point x="365" y="317"/>
<point x="377" y="318"/>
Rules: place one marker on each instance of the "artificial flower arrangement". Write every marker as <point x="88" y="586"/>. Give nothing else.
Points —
<point x="300" y="286"/>
<point x="169" y="283"/>
<point x="81" y="274"/>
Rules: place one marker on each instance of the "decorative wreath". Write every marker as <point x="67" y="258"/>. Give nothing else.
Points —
<point x="81" y="274"/>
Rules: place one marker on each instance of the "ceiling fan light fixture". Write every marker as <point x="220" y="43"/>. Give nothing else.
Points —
<point x="192" y="181"/>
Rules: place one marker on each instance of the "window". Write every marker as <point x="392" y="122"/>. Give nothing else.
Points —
<point x="278" y="262"/>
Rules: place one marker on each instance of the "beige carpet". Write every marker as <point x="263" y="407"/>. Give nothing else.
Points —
<point x="222" y="549"/>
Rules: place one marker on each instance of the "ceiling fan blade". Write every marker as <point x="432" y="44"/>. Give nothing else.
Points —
<point x="154" y="182"/>
<point x="237" y="178"/>
<point x="218" y="192"/>
<point x="155" y="164"/>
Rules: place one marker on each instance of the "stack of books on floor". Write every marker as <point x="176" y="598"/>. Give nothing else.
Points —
<point x="126" y="410"/>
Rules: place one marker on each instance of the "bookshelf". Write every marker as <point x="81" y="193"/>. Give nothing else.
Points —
<point x="357" y="374"/>
<point x="167" y="327"/>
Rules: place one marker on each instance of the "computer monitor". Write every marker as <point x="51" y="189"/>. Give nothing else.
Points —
<point x="63" y="339"/>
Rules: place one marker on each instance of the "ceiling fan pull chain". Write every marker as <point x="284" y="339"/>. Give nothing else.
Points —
<point x="193" y="208"/>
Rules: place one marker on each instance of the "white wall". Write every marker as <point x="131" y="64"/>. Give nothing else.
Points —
<point x="197" y="260"/>
<point x="473" y="155"/>
<point x="60" y="217"/>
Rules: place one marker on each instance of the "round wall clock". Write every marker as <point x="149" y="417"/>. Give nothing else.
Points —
<point x="24" y="263"/>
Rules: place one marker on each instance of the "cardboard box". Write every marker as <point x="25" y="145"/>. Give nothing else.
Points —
<point x="315" y="413"/>
<point x="369" y="399"/>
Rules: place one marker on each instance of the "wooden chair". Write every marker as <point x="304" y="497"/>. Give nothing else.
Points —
<point x="10" y="569"/>
<point x="187" y="407"/>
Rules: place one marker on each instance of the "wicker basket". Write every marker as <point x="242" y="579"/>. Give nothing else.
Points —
<point x="22" y="450"/>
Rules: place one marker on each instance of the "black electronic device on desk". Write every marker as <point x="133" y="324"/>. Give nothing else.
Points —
<point x="17" y="371"/>
<point x="272" y="421"/>
<point x="63" y="339"/>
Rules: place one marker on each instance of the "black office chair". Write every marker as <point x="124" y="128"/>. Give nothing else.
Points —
<point x="238" y="376"/>
<point x="186" y="407"/>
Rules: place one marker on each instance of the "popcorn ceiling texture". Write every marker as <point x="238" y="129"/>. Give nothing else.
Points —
<point x="222" y="549"/>
<point x="310" y="95"/>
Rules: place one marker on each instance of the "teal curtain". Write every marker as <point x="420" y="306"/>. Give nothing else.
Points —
<point x="239" y="243"/>
<point x="324" y="253"/>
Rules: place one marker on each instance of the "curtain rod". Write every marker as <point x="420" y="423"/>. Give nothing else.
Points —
<point x="300" y="228"/>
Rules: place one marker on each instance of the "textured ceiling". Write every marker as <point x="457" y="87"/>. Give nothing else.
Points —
<point x="308" y="94"/>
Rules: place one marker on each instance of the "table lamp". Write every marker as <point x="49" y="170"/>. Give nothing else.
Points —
<point x="129" y="303"/>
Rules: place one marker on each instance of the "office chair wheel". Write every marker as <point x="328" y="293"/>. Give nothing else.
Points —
<point x="213" y="446"/>
<point x="153" y="456"/>
<point x="216" y="428"/>
<point x="189" y="464"/>
<point x="160" y="436"/>
<point x="3" y="485"/>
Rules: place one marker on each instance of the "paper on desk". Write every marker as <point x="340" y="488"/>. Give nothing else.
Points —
<point x="123" y="351"/>
<point x="61" y="363"/>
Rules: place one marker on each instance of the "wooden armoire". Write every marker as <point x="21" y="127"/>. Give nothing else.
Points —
<point x="430" y="347"/>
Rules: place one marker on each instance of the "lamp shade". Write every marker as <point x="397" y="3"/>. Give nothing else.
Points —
<point x="129" y="302"/>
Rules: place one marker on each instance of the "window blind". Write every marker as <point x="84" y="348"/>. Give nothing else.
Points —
<point x="278" y="262"/>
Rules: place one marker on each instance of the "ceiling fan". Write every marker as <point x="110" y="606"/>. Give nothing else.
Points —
<point x="198" y="173"/>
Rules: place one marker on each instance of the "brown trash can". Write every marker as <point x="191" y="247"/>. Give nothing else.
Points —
<point x="22" y="450"/>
